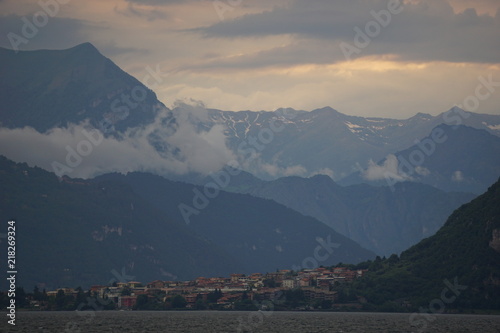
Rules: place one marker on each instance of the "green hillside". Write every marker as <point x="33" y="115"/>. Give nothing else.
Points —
<point x="466" y="248"/>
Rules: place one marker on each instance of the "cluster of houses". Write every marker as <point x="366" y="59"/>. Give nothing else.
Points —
<point x="316" y="284"/>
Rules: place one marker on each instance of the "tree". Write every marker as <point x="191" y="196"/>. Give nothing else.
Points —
<point x="245" y="305"/>
<point x="393" y="259"/>
<point x="142" y="302"/>
<point x="4" y="300"/>
<point x="21" y="300"/>
<point x="60" y="300"/>
<point x="214" y="296"/>
<point x="80" y="297"/>
<point x="326" y="304"/>
<point x="376" y="265"/>
<point x="178" y="302"/>
<point x="200" y="305"/>
<point x="269" y="283"/>
<point x="37" y="295"/>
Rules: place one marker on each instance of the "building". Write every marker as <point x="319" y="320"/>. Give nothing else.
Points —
<point x="289" y="283"/>
<point x="235" y="278"/>
<point x="305" y="282"/>
<point x="157" y="284"/>
<point x="127" y="302"/>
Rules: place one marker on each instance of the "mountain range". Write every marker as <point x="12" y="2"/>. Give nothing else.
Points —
<point x="352" y="186"/>
<point x="326" y="141"/>
<point x="81" y="85"/>
<point x="382" y="219"/>
<point x="44" y="89"/>
<point x="463" y="159"/>
<point x="82" y="232"/>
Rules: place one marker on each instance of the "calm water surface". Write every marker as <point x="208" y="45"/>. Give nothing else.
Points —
<point x="286" y="322"/>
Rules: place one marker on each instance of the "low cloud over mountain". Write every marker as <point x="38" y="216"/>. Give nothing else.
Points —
<point x="171" y="144"/>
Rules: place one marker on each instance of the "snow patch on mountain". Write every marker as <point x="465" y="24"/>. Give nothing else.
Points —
<point x="492" y="127"/>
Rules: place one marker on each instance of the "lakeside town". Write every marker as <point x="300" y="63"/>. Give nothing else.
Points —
<point x="309" y="289"/>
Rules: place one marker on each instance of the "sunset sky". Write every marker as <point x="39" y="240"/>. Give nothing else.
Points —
<point x="428" y="56"/>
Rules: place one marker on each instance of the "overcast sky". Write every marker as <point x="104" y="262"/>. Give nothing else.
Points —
<point x="427" y="56"/>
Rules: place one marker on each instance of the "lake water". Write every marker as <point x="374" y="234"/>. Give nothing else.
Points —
<point x="286" y="322"/>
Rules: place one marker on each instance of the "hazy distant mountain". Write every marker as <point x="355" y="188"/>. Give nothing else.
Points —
<point x="83" y="232"/>
<point x="262" y="234"/>
<point x="458" y="266"/>
<point x="381" y="219"/>
<point x="326" y="141"/>
<point x="75" y="232"/>
<point x="51" y="88"/>
<point x="462" y="159"/>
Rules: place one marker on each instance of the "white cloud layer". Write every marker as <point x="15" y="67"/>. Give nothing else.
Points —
<point x="162" y="147"/>
<point x="388" y="170"/>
